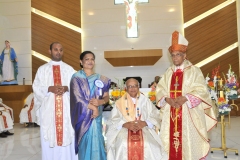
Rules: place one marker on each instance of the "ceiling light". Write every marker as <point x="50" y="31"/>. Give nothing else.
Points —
<point x="40" y="56"/>
<point x="216" y="55"/>
<point x="209" y="12"/>
<point x="57" y="20"/>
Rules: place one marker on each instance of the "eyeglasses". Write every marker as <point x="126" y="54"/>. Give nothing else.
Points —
<point x="134" y="86"/>
<point x="176" y="55"/>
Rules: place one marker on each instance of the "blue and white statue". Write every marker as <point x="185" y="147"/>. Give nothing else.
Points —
<point x="8" y="65"/>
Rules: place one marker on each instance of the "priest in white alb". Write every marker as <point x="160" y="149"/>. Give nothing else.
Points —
<point x="6" y="121"/>
<point x="7" y="109"/>
<point x="28" y="114"/>
<point x="131" y="127"/>
<point x="186" y="111"/>
<point x="52" y="105"/>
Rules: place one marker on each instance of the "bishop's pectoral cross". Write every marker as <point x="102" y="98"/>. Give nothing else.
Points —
<point x="175" y="89"/>
<point x="175" y="118"/>
<point x="131" y="16"/>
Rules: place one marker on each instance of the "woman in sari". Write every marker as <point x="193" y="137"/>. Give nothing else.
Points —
<point x="88" y="94"/>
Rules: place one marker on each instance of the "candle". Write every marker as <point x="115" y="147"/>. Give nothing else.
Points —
<point x="221" y="94"/>
<point x="220" y="82"/>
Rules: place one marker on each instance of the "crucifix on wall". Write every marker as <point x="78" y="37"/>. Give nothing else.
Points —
<point x="131" y="16"/>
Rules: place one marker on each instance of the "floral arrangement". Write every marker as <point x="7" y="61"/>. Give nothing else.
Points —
<point x="152" y="96"/>
<point x="116" y="94"/>
<point x="215" y="72"/>
<point x="223" y="106"/>
<point x="211" y="87"/>
<point x="231" y="84"/>
<point x="210" y="84"/>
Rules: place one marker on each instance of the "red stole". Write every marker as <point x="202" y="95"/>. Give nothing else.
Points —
<point x="135" y="145"/>
<point x="135" y="142"/>
<point x="175" y="145"/>
<point x="29" y="111"/>
<point x="58" y="106"/>
<point x="4" y="121"/>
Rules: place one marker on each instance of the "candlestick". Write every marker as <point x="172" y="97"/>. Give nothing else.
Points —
<point x="220" y="82"/>
<point x="221" y="94"/>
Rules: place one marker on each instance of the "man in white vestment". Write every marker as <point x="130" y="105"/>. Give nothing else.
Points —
<point x="131" y="127"/>
<point x="28" y="114"/>
<point x="6" y="122"/>
<point x="186" y="111"/>
<point x="7" y="109"/>
<point x="52" y="105"/>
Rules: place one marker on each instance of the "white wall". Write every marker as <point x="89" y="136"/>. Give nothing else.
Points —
<point x="106" y="30"/>
<point x="15" y="26"/>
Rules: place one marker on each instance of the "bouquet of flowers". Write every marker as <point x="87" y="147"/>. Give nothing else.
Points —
<point x="223" y="106"/>
<point x="115" y="94"/>
<point x="211" y="88"/>
<point x="211" y="85"/>
<point x="231" y="84"/>
<point x="215" y="72"/>
<point x="152" y="96"/>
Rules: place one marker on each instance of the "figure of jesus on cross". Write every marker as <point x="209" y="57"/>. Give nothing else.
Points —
<point x="131" y="16"/>
<point x="131" y="13"/>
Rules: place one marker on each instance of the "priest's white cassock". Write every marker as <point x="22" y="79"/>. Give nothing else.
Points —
<point x="117" y="136"/>
<point x="6" y="122"/>
<point x="28" y="113"/>
<point x="44" y="102"/>
<point x="7" y="109"/>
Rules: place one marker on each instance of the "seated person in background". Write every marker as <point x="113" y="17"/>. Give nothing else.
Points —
<point x="130" y="128"/>
<point x="155" y="82"/>
<point x="7" y="109"/>
<point x="113" y="85"/>
<point x="27" y="114"/>
<point x="6" y="122"/>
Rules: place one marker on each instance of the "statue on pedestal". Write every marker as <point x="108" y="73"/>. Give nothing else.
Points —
<point x="8" y="65"/>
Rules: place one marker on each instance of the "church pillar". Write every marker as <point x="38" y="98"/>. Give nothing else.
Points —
<point x="238" y="30"/>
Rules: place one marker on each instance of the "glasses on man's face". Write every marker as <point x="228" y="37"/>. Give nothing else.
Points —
<point x="176" y="55"/>
<point x="132" y="86"/>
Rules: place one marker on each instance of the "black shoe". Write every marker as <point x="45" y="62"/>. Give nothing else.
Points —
<point x="2" y="135"/>
<point x="8" y="133"/>
<point x="36" y="125"/>
<point x="29" y="125"/>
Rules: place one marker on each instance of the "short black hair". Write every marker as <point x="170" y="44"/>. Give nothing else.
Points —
<point x="53" y="44"/>
<point x="82" y="55"/>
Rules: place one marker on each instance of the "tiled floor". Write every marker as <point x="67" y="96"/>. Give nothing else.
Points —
<point x="25" y="143"/>
<point x="232" y="140"/>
